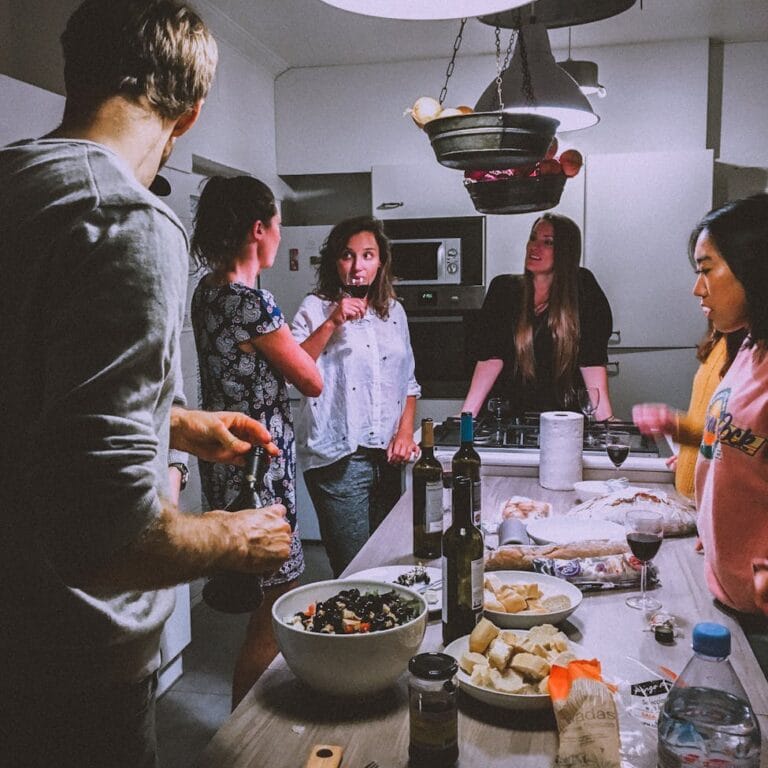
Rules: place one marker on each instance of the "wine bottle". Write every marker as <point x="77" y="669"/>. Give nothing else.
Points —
<point x="463" y="565"/>
<point x="466" y="463"/>
<point x="427" y="497"/>
<point x="233" y="591"/>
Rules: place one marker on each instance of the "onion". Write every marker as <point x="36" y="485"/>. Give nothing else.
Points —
<point x="550" y="167"/>
<point x="552" y="149"/>
<point x="465" y="110"/>
<point x="425" y="109"/>
<point x="450" y="112"/>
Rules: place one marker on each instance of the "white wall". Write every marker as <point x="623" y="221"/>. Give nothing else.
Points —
<point x="333" y="119"/>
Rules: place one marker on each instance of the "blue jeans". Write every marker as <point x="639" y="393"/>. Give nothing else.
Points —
<point x="351" y="498"/>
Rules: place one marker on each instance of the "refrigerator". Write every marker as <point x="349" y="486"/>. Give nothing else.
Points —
<point x="290" y="279"/>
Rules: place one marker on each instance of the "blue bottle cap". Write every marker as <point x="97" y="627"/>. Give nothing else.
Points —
<point x="710" y="639"/>
<point x="467" y="427"/>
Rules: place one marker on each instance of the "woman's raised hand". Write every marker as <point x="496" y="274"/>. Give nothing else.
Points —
<point x="655" y="419"/>
<point x="348" y="309"/>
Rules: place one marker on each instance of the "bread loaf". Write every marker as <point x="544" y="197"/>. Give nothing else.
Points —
<point x="520" y="557"/>
<point x="679" y="517"/>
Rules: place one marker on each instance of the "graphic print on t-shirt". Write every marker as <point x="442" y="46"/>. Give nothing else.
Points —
<point x="720" y="430"/>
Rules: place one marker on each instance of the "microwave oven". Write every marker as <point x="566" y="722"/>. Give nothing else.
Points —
<point x="439" y="251"/>
<point x="426" y="261"/>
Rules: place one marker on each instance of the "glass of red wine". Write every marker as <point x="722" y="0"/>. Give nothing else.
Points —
<point x="357" y="287"/>
<point x="645" y="530"/>
<point x="617" y="447"/>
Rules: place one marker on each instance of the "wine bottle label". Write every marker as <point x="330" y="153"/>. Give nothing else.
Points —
<point x="478" y="579"/>
<point x="434" y="506"/>
<point x="477" y="488"/>
<point x="444" y="565"/>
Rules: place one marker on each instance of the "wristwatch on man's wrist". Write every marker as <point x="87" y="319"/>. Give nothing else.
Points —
<point x="184" y="471"/>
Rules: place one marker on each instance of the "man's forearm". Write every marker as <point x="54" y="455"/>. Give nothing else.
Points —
<point x="175" y="548"/>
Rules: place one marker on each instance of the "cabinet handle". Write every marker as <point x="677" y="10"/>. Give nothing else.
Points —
<point x="389" y="206"/>
<point x="612" y="367"/>
<point x="615" y="337"/>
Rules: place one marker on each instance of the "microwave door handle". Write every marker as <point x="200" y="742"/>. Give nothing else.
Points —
<point x="441" y="265"/>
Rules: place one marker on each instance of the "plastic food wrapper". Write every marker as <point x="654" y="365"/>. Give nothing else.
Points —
<point x="598" y="573"/>
<point x="586" y="716"/>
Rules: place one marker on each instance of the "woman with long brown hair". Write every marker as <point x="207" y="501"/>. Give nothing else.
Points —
<point x="544" y="334"/>
<point x="355" y="436"/>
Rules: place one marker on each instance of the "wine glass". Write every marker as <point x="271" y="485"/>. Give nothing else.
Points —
<point x="617" y="447"/>
<point x="499" y="407"/>
<point x="589" y="399"/>
<point x="645" y="530"/>
<point x="357" y="287"/>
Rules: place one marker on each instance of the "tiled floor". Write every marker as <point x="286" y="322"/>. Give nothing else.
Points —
<point x="191" y="711"/>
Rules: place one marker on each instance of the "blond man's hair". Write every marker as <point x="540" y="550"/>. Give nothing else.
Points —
<point x="157" y="49"/>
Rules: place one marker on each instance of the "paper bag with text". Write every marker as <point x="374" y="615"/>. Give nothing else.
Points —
<point x="586" y="716"/>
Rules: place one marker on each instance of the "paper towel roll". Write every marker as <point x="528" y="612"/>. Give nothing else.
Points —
<point x="560" y="442"/>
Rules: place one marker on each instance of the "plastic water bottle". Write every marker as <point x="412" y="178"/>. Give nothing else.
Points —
<point x="707" y="720"/>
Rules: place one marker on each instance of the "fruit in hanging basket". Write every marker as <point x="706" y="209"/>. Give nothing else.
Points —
<point x="550" y="167"/>
<point x="571" y="162"/>
<point x="465" y="110"/>
<point x="449" y="112"/>
<point x="552" y="149"/>
<point x="425" y="109"/>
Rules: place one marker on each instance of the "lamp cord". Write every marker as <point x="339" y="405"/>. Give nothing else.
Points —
<point x="452" y="62"/>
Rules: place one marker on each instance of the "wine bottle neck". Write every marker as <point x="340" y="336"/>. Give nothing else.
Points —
<point x="462" y="502"/>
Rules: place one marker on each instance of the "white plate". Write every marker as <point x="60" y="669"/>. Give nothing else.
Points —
<point x="496" y="698"/>
<point x="434" y="597"/>
<point x="550" y="585"/>
<point x="565" y="530"/>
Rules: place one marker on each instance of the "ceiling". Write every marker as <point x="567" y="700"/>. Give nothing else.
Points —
<point x="310" y="33"/>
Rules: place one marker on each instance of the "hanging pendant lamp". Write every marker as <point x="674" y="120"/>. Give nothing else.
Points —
<point x="425" y="9"/>
<point x="555" y="93"/>
<point x="583" y="72"/>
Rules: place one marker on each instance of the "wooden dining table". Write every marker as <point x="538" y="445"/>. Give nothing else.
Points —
<point x="280" y="719"/>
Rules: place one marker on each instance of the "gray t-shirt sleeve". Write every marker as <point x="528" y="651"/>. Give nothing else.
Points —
<point x="111" y="379"/>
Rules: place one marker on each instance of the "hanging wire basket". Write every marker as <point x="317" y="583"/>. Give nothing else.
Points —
<point x="516" y="194"/>
<point x="489" y="140"/>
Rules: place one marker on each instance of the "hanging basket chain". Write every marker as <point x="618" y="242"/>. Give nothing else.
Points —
<point x="452" y="62"/>
<point x="501" y="67"/>
<point x="530" y="99"/>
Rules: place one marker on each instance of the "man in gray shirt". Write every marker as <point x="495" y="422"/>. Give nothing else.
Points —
<point x="93" y="274"/>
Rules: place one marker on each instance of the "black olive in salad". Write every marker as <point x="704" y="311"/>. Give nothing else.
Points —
<point x="350" y="612"/>
<point x="416" y="575"/>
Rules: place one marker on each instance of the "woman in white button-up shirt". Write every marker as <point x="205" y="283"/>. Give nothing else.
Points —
<point x="354" y="437"/>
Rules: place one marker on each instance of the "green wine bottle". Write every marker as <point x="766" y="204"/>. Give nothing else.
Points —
<point x="427" y="497"/>
<point x="233" y="591"/>
<point x="463" y="566"/>
<point x="466" y="463"/>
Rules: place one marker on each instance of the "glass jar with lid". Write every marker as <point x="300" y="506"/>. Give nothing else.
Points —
<point x="432" y="689"/>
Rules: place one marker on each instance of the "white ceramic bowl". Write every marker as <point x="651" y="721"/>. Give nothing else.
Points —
<point x="514" y="701"/>
<point x="549" y="585"/>
<point x="346" y="665"/>
<point x="591" y="489"/>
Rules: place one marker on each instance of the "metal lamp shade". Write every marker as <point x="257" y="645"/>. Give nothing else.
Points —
<point x="585" y="74"/>
<point x="556" y="93"/>
<point x="425" y="9"/>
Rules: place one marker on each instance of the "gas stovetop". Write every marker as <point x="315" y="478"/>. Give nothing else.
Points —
<point x="522" y="434"/>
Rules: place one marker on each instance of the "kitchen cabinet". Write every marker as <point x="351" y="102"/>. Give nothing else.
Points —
<point x="423" y="190"/>
<point x="650" y="376"/>
<point x="639" y="212"/>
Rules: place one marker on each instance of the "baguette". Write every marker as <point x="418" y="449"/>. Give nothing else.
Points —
<point x="520" y="557"/>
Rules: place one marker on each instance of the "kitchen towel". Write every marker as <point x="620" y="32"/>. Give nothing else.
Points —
<point x="560" y="441"/>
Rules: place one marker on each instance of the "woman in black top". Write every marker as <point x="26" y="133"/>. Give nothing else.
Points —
<point x="544" y="334"/>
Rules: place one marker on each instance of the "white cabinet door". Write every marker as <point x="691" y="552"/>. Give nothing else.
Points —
<point x="419" y="191"/>
<point x="640" y="209"/>
<point x="650" y="376"/>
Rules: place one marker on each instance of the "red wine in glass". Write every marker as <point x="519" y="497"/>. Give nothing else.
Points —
<point x="357" y="290"/>
<point x="644" y="546"/>
<point x="617" y="454"/>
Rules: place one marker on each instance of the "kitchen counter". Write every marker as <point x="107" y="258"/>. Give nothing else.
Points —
<point x="279" y="720"/>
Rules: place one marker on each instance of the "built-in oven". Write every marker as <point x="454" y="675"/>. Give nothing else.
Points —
<point x="440" y="266"/>
<point x="442" y="322"/>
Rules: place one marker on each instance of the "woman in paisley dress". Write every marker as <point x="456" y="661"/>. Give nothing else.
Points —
<point x="247" y="355"/>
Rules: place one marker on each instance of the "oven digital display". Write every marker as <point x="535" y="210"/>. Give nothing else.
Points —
<point x="427" y="299"/>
